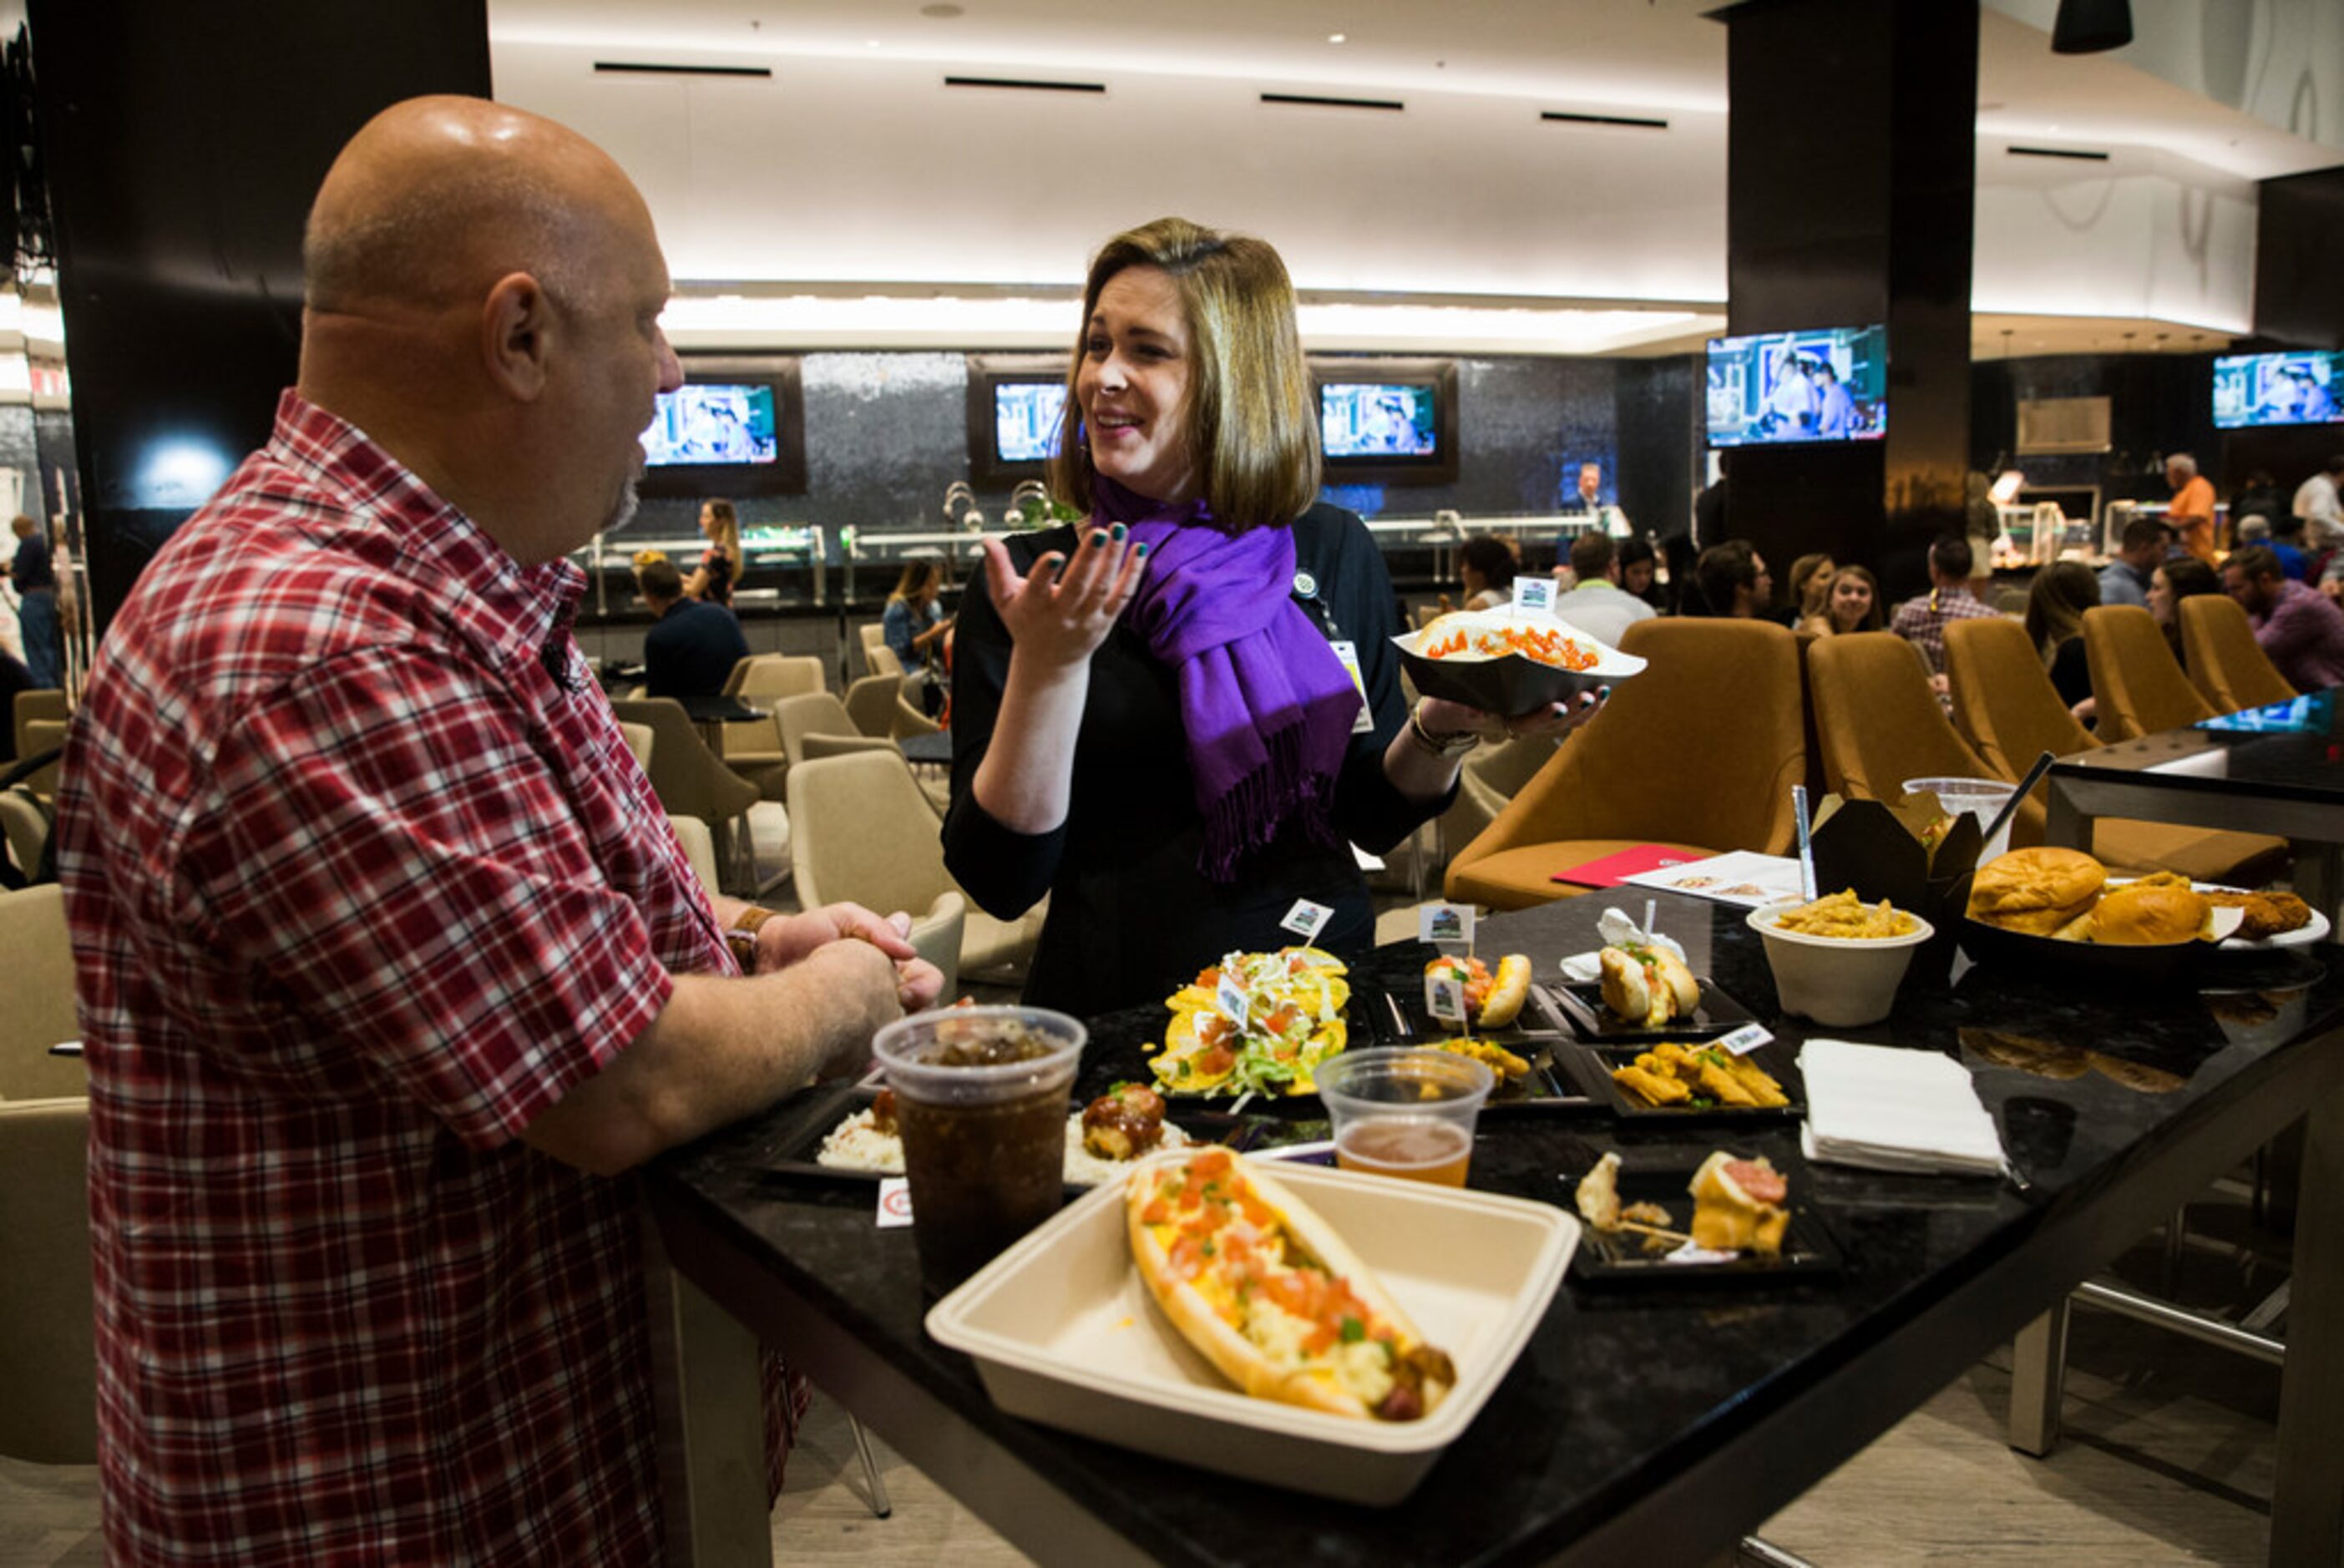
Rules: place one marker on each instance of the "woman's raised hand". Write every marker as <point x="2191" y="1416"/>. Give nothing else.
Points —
<point x="1060" y="617"/>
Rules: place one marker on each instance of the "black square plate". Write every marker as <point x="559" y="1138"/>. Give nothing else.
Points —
<point x="1620" y="1259"/>
<point x="1591" y="1068"/>
<point x="796" y="1147"/>
<point x="1580" y="1002"/>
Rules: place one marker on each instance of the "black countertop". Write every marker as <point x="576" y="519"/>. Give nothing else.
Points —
<point x="1662" y="1421"/>
<point x="2286" y="751"/>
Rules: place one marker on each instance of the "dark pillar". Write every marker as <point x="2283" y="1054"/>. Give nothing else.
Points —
<point x="1851" y="199"/>
<point x="2298" y="303"/>
<point x="183" y="143"/>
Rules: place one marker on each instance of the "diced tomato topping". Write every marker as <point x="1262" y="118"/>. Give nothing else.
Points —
<point x="1155" y="1213"/>
<point x="1278" y="1022"/>
<point x="1211" y="1163"/>
<point x="1257" y="1213"/>
<point x="1208" y="979"/>
<point x="1319" y="1339"/>
<point x="1215" y="1061"/>
<point x="1212" y="1029"/>
<point x="1186" y="1258"/>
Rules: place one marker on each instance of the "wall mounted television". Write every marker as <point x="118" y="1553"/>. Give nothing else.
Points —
<point x="1387" y="421"/>
<point x="2305" y="387"/>
<point x="736" y="428"/>
<point x="1823" y="384"/>
<point x="1015" y="403"/>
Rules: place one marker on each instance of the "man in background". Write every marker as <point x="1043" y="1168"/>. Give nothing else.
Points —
<point x="390" y="970"/>
<point x="1597" y="606"/>
<point x="1922" y="621"/>
<point x="36" y="605"/>
<point x="2300" y="628"/>
<point x="1732" y="581"/>
<point x="2125" y="579"/>
<point x="2192" y="511"/>
<point x="692" y="649"/>
<point x="2257" y="531"/>
<point x="2318" y="502"/>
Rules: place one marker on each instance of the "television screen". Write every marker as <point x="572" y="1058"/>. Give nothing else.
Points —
<point x="2296" y="389"/>
<point x="721" y="422"/>
<point x="1378" y="420"/>
<point x="1827" y="384"/>
<point x="1025" y="417"/>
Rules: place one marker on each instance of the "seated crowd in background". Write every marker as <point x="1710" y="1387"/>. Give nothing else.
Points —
<point x="2062" y="592"/>
<point x="1596" y="603"/>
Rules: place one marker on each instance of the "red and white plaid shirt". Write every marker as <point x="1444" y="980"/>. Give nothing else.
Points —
<point x="358" y="887"/>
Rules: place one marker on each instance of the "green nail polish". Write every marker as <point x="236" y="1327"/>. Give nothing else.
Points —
<point x="1098" y="536"/>
<point x="1121" y="531"/>
<point x="1139" y="549"/>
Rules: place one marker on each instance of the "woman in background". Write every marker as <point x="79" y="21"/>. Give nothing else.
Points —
<point x="2063" y="590"/>
<point x="914" y="622"/>
<point x="1177" y="717"/>
<point x="1810" y="583"/>
<point x="1850" y="603"/>
<point x="719" y="568"/>
<point x="1486" y="567"/>
<point x="2182" y="577"/>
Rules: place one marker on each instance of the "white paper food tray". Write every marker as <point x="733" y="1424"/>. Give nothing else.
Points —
<point x="1064" y="1332"/>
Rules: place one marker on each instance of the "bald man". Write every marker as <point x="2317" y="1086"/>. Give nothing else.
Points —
<point x="391" y="969"/>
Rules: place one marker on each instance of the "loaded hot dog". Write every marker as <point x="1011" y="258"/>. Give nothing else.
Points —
<point x="1491" y="1001"/>
<point x="1256" y="1281"/>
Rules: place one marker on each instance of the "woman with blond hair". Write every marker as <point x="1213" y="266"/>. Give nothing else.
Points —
<point x="2056" y="603"/>
<point x="1176" y="718"/>
<point x="719" y="568"/>
<point x="1851" y="602"/>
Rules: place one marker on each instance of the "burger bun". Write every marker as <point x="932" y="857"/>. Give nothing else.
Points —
<point x="2036" y="891"/>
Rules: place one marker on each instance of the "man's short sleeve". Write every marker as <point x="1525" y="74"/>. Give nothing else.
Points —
<point x="393" y="846"/>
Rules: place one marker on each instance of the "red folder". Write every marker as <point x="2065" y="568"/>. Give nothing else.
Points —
<point x="1613" y="869"/>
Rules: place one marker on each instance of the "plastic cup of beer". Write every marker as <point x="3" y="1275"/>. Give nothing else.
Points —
<point x="981" y="1103"/>
<point x="1405" y="1112"/>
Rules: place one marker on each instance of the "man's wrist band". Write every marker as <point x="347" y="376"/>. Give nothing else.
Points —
<point x="1443" y="746"/>
<point x="742" y="936"/>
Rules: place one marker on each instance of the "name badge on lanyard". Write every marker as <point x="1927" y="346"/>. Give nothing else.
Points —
<point x="1348" y="652"/>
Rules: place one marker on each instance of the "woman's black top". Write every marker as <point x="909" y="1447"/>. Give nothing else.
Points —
<point x="2071" y="671"/>
<point x="1132" y="917"/>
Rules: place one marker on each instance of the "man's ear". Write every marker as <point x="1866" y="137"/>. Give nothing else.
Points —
<point x="516" y="328"/>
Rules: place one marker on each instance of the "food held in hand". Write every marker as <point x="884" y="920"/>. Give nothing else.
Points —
<point x="1843" y="915"/>
<point x="1256" y="1280"/>
<point x="1493" y="634"/>
<point x="2036" y="891"/>
<point x="1737" y="1206"/>
<point x="1491" y="1001"/>
<point x="1648" y="984"/>
<point x="1293" y="1020"/>
<point x="1699" y="1077"/>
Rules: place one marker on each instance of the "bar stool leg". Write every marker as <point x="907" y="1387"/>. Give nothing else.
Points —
<point x="2038" y="1366"/>
<point x="880" y="1507"/>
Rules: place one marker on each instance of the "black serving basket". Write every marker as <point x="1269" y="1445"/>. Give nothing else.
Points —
<point x="1511" y="684"/>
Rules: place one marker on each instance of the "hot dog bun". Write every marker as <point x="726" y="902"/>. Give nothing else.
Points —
<point x="1509" y="989"/>
<point x="1302" y="1260"/>
<point x="1648" y="984"/>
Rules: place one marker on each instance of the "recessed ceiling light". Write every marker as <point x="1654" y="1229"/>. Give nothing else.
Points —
<point x="1336" y="37"/>
<point x="870" y="43"/>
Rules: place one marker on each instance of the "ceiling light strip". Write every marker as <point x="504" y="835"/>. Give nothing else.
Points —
<point x="1015" y="84"/>
<point x="653" y="68"/>
<point x="1559" y="116"/>
<point x="2074" y="153"/>
<point x="1306" y="100"/>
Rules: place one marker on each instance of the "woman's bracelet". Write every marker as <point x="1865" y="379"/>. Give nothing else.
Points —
<point x="1443" y="746"/>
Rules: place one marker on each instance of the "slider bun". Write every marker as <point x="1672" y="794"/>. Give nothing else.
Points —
<point x="2145" y="916"/>
<point x="2036" y="891"/>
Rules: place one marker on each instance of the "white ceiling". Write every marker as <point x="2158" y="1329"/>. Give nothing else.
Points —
<point x="850" y="172"/>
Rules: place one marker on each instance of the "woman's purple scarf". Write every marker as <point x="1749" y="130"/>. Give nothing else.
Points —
<point x="1267" y="704"/>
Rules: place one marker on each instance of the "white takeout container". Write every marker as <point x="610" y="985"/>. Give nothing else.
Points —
<point x="1063" y="1331"/>
<point x="1839" y="981"/>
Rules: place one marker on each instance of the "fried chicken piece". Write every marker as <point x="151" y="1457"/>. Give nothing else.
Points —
<point x="2267" y="914"/>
